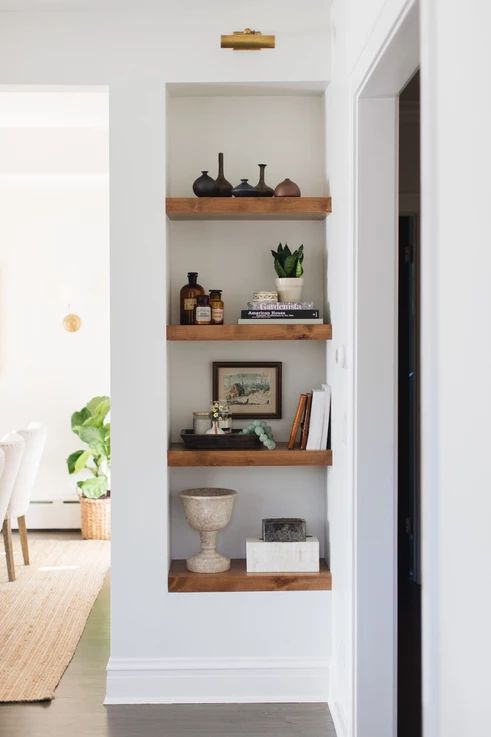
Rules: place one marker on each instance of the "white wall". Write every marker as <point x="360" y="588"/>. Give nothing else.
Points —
<point x="456" y="158"/>
<point x="54" y="235"/>
<point x="278" y="645"/>
<point x="456" y="150"/>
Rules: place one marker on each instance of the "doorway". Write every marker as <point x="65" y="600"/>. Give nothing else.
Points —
<point x="408" y="495"/>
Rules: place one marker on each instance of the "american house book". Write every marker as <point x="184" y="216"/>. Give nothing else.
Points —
<point x="280" y="321"/>
<point x="279" y="314"/>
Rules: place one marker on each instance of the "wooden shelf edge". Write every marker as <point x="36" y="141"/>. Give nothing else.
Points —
<point x="181" y="580"/>
<point x="247" y="208"/>
<point x="249" y="332"/>
<point x="180" y="457"/>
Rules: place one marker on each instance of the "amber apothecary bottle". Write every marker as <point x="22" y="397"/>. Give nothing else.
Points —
<point x="189" y="295"/>
<point x="217" y="307"/>
<point x="202" y="311"/>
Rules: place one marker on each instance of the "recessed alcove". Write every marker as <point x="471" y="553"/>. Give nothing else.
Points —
<point x="284" y="127"/>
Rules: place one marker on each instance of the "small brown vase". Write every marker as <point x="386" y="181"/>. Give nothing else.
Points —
<point x="287" y="188"/>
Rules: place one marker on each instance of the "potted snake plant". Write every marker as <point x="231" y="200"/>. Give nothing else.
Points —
<point x="91" y="426"/>
<point x="289" y="270"/>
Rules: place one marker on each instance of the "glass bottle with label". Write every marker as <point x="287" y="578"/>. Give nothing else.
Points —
<point x="225" y="421"/>
<point x="188" y="298"/>
<point x="202" y="311"/>
<point x="217" y="307"/>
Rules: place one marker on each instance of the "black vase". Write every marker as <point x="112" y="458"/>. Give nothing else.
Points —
<point x="261" y="189"/>
<point x="204" y="186"/>
<point x="244" y="189"/>
<point x="222" y="187"/>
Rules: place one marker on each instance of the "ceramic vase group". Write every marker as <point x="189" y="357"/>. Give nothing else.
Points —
<point x="205" y="186"/>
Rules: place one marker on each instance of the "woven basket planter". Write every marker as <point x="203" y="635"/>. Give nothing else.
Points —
<point x="95" y="518"/>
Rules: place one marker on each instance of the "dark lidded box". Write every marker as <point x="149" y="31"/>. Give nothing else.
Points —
<point x="284" y="530"/>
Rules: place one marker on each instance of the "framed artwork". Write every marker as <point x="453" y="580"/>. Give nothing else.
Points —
<point x="251" y="388"/>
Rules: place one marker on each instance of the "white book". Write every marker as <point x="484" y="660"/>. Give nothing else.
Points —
<point x="327" y="415"/>
<point x="316" y="427"/>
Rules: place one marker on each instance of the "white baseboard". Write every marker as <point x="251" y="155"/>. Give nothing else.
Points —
<point x="217" y="680"/>
<point x="338" y="718"/>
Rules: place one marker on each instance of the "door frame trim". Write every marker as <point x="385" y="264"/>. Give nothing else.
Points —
<point x="374" y="388"/>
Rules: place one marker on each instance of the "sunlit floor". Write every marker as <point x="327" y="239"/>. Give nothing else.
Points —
<point x="77" y="710"/>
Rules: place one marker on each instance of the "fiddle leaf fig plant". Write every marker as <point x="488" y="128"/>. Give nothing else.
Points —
<point x="286" y="263"/>
<point x="90" y="425"/>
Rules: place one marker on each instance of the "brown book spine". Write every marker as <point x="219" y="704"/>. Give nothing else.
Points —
<point x="297" y="420"/>
<point x="306" y="422"/>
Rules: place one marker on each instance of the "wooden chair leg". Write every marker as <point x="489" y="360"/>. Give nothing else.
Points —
<point x="23" y="539"/>
<point x="9" y="549"/>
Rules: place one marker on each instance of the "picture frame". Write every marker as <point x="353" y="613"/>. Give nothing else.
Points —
<point x="251" y="388"/>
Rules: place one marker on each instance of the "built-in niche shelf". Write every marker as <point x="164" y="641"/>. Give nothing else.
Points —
<point x="228" y="241"/>
<point x="180" y="457"/>
<point x="248" y="208"/>
<point x="237" y="579"/>
<point x="249" y="332"/>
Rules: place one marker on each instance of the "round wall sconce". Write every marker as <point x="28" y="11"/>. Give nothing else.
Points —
<point x="72" y="322"/>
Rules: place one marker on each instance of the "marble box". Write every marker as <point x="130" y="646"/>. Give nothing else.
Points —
<point x="281" y="557"/>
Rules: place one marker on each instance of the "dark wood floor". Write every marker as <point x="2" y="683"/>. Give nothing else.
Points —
<point x="77" y="710"/>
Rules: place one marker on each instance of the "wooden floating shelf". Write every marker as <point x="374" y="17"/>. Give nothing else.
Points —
<point x="247" y="208"/>
<point x="180" y="457"/>
<point x="237" y="579"/>
<point x="249" y="332"/>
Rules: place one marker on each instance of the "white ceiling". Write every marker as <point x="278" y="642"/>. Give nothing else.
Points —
<point x="217" y="16"/>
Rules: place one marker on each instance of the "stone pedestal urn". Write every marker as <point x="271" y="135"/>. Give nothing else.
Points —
<point x="208" y="511"/>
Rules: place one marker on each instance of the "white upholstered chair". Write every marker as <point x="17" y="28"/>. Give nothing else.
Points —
<point x="12" y="446"/>
<point x="34" y="437"/>
<point x="4" y="501"/>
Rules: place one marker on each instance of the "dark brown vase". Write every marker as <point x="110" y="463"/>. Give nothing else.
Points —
<point x="244" y="189"/>
<point x="222" y="187"/>
<point x="261" y="189"/>
<point x="204" y="186"/>
<point x="287" y="188"/>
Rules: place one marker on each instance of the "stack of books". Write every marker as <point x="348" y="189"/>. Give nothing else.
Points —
<point x="311" y="421"/>
<point x="280" y="313"/>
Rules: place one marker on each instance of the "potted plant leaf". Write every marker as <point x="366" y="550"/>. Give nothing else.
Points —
<point x="93" y="429"/>
<point x="289" y="270"/>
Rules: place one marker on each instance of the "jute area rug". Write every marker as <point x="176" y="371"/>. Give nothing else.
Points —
<point x="43" y="613"/>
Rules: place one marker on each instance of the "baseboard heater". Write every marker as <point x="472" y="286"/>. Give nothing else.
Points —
<point x="52" y="514"/>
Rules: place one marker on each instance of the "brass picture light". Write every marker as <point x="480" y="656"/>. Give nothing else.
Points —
<point x="247" y="40"/>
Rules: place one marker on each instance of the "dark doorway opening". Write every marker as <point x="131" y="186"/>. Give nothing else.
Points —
<point x="409" y="580"/>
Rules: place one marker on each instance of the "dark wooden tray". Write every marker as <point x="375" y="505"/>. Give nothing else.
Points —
<point x="236" y="440"/>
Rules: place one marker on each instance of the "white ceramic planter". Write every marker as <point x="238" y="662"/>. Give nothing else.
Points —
<point x="289" y="289"/>
<point x="208" y="511"/>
